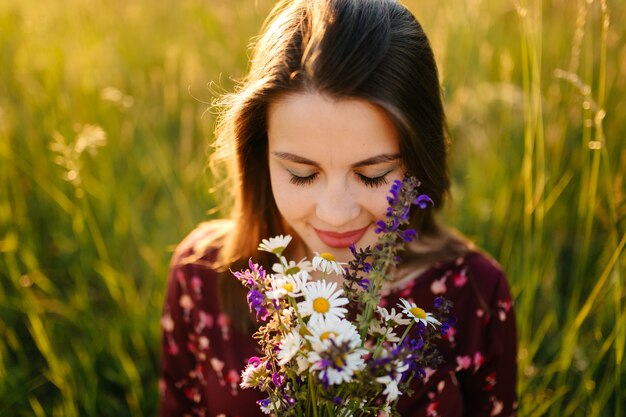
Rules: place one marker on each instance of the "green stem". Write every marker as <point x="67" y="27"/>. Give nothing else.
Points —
<point x="313" y="394"/>
<point x="406" y="331"/>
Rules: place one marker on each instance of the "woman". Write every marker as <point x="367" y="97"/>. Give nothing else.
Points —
<point x="341" y="99"/>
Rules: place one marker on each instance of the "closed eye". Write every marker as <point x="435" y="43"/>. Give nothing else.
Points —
<point x="373" y="182"/>
<point x="297" y="180"/>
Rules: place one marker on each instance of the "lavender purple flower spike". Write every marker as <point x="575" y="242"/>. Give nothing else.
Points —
<point x="253" y="279"/>
<point x="402" y="196"/>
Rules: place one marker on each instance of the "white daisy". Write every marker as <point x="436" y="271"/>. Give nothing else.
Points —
<point x="292" y="268"/>
<point x="253" y="375"/>
<point x="325" y="332"/>
<point x="418" y="314"/>
<point x="388" y="316"/>
<point x="391" y="383"/>
<point x="289" y="347"/>
<point x="275" y="245"/>
<point x="339" y="367"/>
<point x="284" y="285"/>
<point x="377" y="329"/>
<point x="391" y="387"/>
<point x="326" y="262"/>
<point x="322" y="300"/>
<point x="266" y="406"/>
<point x="303" y="364"/>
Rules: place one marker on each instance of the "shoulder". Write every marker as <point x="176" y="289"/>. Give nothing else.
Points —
<point x="486" y="270"/>
<point x="193" y="273"/>
<point x="202" y="245"/>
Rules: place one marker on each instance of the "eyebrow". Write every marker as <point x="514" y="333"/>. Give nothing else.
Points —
<point x="378" y="159"/>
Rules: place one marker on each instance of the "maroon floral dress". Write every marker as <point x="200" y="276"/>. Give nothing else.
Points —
<point x="203" y="355"/>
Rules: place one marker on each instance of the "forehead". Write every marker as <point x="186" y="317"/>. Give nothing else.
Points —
<point x="314" y="124"/>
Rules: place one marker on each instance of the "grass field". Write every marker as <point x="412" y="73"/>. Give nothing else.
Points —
<point x="104" y="130"/>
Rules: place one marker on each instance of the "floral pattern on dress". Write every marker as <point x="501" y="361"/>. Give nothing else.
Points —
<point x="203" y="354"/>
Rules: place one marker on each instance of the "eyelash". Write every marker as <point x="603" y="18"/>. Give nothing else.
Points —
<point x="374" y="182"/>
<point x="302" y="180"/>
<point x="368" y="181"/>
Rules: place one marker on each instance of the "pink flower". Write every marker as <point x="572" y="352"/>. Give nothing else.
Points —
<point x="497" y="407"/>
<point x="428" y="372"/>
<point x="407" y="290"/>
<point x="449" y="336"/>
<point x="167" y="323"/>
<point x="504" y="306"/>
<point x="438" y="286"/>
<point x="205" y="320"/>
<point x="479" y="360"/>
<point x="196" y="285"/>
<point x="459" y="279"/>
<point x="233" y="379"/>
<point x="490" y="381"/>
<point x="224" y="322"/>
<point x="463" y="362"/>
<point x="431" y="410"/>
<point x="186" y="302"/>
<point x="172" y="348"/>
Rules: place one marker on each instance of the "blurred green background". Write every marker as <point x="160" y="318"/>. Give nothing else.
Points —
<point x="105" y="122"/>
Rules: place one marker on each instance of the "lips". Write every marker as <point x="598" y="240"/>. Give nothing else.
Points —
<point x="341" y="240"/>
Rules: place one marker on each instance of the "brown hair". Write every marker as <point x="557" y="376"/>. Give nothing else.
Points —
<point x="373" y="50"/>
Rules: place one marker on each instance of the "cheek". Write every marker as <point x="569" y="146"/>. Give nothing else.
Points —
<point x="375" y="201"/>
<point x="292" y="201"/>
<point x="377" y="205"/>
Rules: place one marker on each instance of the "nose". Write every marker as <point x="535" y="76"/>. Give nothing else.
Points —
<point x="337" y="206"/>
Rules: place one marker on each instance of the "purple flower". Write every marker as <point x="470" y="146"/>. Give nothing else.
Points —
<point x="255" y="299"/>
<point x="417" y="344"/>
<point x="364" y="283"/>
<point x="395" y="223"/>
<point x="262" y="314"/>
<point x="381" y="227"/>
<point x="423" y="201"/>
<point x="264" y="403"/>
<point x="278" y="379"/>
<point x="408" y="235"/>
<point x="438" y="301"/>
<point x="394" y="191"/>
<point x="405" y="213"/>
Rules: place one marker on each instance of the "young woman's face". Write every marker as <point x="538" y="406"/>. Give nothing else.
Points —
<point x="331" y="165"/>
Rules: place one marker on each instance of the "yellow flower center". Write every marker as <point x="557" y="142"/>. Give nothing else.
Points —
<point x="340" y="361"/>
<point x="321" y="305"/>
<point x="328" y="256"/>
<point x="292" y="271"/>
<point x="278" y="250"/>
<point x="288" y="286"/>
<point x="418" y="312"/>
<point x="326" y="335"/>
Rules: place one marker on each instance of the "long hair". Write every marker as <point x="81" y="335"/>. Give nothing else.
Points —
<point x="372" y="50"/>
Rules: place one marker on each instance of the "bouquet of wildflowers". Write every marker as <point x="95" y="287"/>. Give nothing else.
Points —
<point x="318" y="358"/>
